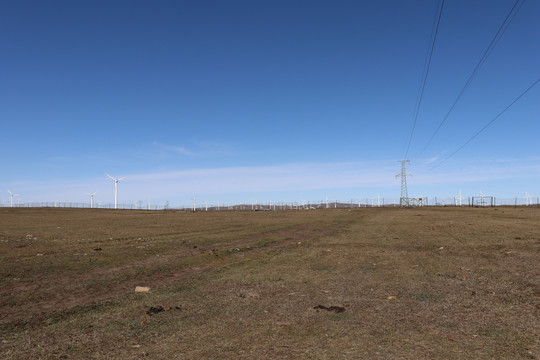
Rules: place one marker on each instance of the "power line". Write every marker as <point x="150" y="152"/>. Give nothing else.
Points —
<point x="488" y="124"/>
<point x="425" y="75"/>
<point x="492" y="44"/>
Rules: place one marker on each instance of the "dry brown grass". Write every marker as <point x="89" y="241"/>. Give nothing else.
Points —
<point x="426" y="283"/>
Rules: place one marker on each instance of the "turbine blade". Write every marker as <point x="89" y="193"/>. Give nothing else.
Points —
<point x="122" y="178"/>
<point x="113" y="179"/>
<point x="9" y="191"/>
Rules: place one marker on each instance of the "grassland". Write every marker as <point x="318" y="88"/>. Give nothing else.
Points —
<point x="382" y="283"/>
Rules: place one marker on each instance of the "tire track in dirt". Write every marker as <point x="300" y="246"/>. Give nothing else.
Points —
<point x="50" y="294"/>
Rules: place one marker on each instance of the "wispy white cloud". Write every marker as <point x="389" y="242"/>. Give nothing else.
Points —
<point x="319" y="176"/>
<point x="281" y="180"/>
<point x="214" y="147"/>
<point x="485" y="169"/>
<point x="287" y="177"/>
<point x="196" y="148"/>
<point x="172" y="148"/>
<point x="431" y="160"/>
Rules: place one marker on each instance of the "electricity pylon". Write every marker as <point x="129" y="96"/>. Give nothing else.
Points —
<point x="404" y="198"/>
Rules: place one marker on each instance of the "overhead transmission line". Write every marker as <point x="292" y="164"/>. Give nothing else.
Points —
<point x="487" y="124"/>
<point x="487" y="52"/>
<point x="434" y="32"/>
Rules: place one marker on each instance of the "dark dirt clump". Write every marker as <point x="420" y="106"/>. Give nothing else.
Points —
<point x="157" y="309"/>
<point x="336" y="309"/>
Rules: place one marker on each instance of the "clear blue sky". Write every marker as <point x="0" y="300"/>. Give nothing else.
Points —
<point x="266" y="100"/>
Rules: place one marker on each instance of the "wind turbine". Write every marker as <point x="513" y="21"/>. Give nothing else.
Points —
<point x="91" y="199"/>
<point x="11" y="195"/>
<point x="115" y="188"/>
<point x="194" y="202"/>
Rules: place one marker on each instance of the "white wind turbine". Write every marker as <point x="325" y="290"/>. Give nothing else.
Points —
<point x="528" y="199"/>
<point x="115" y="188"/>
<point x="91" y="199"/>
<point x="11" y="195"/>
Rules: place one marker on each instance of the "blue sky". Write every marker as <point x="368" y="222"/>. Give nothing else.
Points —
<point x="266" y="100"/>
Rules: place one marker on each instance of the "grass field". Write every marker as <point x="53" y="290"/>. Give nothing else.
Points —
<point x="381" y="283"/>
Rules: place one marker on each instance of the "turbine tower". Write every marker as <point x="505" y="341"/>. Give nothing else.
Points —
<point x="115" y="188"/>
<point x="11" y="195"/>
<point x="91" y="199"/>
<point x="404" y="198"/>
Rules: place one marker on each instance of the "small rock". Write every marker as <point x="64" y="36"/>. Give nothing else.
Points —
<point x="142" y="289"/>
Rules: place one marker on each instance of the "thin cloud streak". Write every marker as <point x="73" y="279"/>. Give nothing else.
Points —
<point x="318" y="176"/>
<point x="280" y="180"/>
<point x="287" y="177"/>
<point x="173" y="148"/>
<point x="488" y="170"/>
<point x="197" y="148"/>
<point x="430" y="160"/>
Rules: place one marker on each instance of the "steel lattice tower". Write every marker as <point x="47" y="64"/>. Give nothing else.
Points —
<point x="404" y="198"/>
